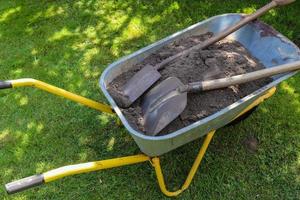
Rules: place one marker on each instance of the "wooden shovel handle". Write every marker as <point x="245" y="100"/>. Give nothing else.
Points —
<point x="239" y="79"/>
<point x="226" y="32"/>
<point x="283" y="2"/>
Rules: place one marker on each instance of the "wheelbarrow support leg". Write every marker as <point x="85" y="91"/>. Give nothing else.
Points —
<point x="160" y="177"/>
<point x="156" y="162"/>
<point x="29" y="82"/>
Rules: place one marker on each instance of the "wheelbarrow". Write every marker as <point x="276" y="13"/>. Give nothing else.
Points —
<point x="263" y="42"/>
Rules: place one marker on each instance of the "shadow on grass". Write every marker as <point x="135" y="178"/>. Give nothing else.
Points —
<point x="68" y="44"/>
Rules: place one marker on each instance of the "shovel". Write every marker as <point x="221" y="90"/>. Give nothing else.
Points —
<point x="149" y="74"/>
<point x="166" y="101"/>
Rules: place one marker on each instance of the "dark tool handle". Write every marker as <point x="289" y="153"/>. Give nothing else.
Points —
<point x="5" y="84"/>
<point x="24" y="184"/>
<point x="239" y="79"/>
<point x="226" y="32"/>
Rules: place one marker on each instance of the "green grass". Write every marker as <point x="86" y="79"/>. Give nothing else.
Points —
<point x="69" y="44"/>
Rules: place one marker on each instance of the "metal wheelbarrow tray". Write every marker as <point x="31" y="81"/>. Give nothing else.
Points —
<point x="263" y="42"/>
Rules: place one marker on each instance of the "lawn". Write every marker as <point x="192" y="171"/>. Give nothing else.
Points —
<point x="69" y="44"/>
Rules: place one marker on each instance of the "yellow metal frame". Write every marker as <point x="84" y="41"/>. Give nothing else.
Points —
<point x="129" y="160"/>
<point x="155" y="162"/>
<point x="29" y="82"/>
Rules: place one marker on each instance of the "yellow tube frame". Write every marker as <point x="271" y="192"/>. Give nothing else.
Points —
<point x="129" y="160"/>
<point x="93" y="166"/>
<point x="29" y="82"/>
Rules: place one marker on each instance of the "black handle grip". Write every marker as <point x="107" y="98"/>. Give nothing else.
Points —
<point x="5" y="84"/>
<point x="24" y="183"/>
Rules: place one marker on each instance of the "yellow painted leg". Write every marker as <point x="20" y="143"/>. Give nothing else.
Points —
<point x="160" y="177"/>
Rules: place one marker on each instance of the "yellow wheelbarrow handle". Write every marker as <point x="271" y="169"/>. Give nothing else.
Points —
<point x="29" y="82"/>
<point x="59" y="173"/>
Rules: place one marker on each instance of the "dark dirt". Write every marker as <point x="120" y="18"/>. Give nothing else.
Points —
<point x="223" y="59"/>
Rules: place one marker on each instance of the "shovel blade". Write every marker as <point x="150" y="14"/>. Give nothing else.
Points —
<point x="162" y="104"/>
<point x="140" y="83"/>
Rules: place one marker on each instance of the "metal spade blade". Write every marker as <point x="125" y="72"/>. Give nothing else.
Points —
<point x="139" y="83"/>
<point x="162" y="105"/>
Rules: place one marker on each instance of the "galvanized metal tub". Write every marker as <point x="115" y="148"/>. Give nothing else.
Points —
<point x="267" y="45"/>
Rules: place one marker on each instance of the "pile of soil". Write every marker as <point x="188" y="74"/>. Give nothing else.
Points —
<point x="223" y="59"/>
